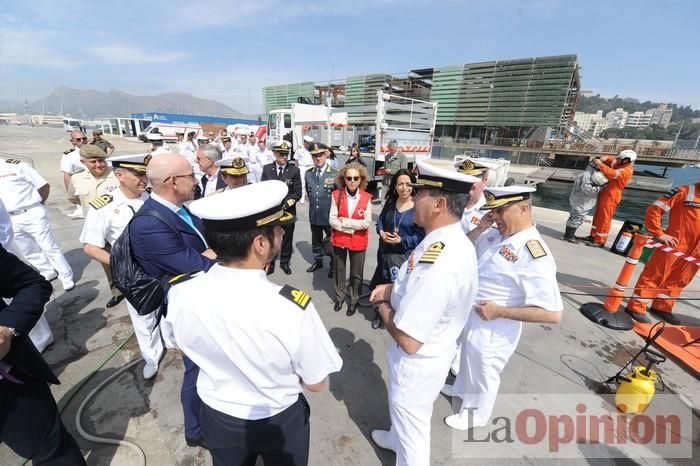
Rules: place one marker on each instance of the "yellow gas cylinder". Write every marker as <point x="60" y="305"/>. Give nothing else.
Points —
<point x="635" y="392"/>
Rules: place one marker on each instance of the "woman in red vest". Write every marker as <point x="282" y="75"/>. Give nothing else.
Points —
<point x="350" y="218"/>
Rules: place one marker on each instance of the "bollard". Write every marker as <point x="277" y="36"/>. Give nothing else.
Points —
<point x="607" y="314"/>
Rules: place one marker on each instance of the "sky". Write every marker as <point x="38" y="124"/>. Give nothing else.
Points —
<point x="229" y="50"/>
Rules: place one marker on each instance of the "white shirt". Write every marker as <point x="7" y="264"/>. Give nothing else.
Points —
<point x="472" y="216"/>
<point x="303" y="158"/>
<point x="104" y="225"/>
<point x="434" y="291"/>
<point x="352" y="200"/>
<point x="265" y="157"/>
<point x="510" y="275"/>
<point x="186" y="148"/>
<point x="70" y="162"/>
<point x="211" y="183"/>
<point x="252" y="345"/>
<point x="6" y="234"/>
<point x="18" y="185"/>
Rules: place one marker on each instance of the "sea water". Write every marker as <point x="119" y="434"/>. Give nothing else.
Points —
<point x="555" y="194"/>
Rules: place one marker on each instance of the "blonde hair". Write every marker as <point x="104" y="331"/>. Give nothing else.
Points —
<point x="340" y="180"/>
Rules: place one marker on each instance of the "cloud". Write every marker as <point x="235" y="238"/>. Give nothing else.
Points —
<point x="28" y="46"/>
<point x="125" y="55"/>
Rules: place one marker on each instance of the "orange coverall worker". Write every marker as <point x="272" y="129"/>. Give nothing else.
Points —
<point x="610" y="196"/>
<point x="665" y="275"/>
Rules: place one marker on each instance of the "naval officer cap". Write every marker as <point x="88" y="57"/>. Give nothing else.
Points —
<point x="135" y="163"/>
<point x="439" y="177"/>
<point x="308" y="139"/>
<point x="92" y="151"/>
<point x="471" y="167"/>
<point x="317" y="148"/>
<point x="282" y="147"/>
<point x="246" y="208"/>
<point x="505" y="195"/>
<point x="234" y="167"/>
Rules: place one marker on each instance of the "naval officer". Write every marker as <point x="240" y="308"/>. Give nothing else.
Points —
<point x="234" y="172"/>
<point x="425" y="310"/>
<point x="258" y="353"/>
<point x="107" y="217"/>
<point x="517" y="283"/>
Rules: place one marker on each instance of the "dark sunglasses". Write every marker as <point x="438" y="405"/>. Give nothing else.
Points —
<point x="352" y="178"/>
<point x="80" y="139"/>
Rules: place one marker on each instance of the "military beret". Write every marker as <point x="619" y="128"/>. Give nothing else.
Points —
<point x="91" y="151"/>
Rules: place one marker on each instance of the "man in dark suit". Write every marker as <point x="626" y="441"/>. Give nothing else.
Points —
<point x="212" y="180"/>
<point x="282" y="170"/>
<point x="320" y="183"/>
<point x="29" y="420"/>
<point x="164" y="252"/>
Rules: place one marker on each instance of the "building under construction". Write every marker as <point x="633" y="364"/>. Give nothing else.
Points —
<point x="476" y="101"/>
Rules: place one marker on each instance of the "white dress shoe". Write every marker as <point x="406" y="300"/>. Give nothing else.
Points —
<point x="67" y="284"/>
<point x="382" y="439"/>
<point x="447" y="390"/>
<point x="150" y="370"/>
<point x="460" y="421"/>
<point x="51" y="277"/>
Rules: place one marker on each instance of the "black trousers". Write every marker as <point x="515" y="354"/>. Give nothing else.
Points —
<point x="317" y="234"/>
<point x="31" y="427"/>
<point x="281" y="440"/>
<point x="287" y="244"/>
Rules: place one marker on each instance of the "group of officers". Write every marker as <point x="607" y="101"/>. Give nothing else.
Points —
<point x="457" y="302"/>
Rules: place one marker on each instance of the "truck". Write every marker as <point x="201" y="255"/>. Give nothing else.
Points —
<point x="72" y="124"/>
<point x="410" y="122"/>
<point x="168" y="130"/>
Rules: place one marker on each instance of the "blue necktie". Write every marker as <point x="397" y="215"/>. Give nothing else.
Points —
<point x="183" y="214"/>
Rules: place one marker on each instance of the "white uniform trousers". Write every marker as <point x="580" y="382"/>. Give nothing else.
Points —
<point x="414" y="385"/>
<point x="34" y="240"/>
<point x="484" y="354"/>
<point x="302" y="173"/>
<point x="147" y="335"/>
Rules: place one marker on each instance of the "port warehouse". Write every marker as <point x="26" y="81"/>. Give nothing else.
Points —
<point x="477" y="102"/>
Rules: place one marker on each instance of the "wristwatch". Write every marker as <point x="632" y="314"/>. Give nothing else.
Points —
<point x="13" y="332"/>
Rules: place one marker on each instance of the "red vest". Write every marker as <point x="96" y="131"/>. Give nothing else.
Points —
<point x="358" y="240"/>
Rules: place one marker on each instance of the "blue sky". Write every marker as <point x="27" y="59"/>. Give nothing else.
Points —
<point x="229" y="50"/>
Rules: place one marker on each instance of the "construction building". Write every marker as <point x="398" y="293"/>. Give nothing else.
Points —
<point x="485" y="102"/>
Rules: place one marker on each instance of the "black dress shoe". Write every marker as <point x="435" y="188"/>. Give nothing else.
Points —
<point x="377" y="321"/>
<point x="665" y="316"/>
<point x="114" y="301"/>
<point x="337" y="306"/>
<point x="351" y="310"/>
<point x="286" y="269"/>
<point x="197" y="442"/>
<point x="639" y="316"/>
<point x="271" y="269"/>
<point x="592" y="244"/>
<point x="315" y="266"/>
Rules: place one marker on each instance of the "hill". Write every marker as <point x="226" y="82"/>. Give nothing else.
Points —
<point x="87" y="103"/>
<point x="594" y="103"/>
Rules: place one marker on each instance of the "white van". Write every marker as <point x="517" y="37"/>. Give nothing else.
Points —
<point x="168" y="130"/>
<point x="72" y="124"/>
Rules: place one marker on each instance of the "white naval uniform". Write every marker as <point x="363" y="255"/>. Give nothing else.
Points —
<point x="70" y="161"/>
<point x="102" y="227"/>
<point x="6" y="234"/>
<point x="252" y="345"/>
<point x="509" y="275"/>
<point x="33" y="238"/>
<point x="432" y="302"/>
<point x="470" y="220"/>
<point x="254" y="164"/>
<point x="304" y="163"/>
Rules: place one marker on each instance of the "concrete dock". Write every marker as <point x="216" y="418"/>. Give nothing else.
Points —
<point x="569" y="359"/>
<point x="534" y="175"/>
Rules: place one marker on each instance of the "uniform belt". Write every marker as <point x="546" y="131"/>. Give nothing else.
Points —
<point x="21" y="211"/>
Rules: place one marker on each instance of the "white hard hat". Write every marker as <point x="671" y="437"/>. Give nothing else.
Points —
<point x="628" y="154"/>
<point x="598" y="178"/>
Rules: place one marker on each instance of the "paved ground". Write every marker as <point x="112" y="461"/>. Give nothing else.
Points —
<point x="565" y="359"/>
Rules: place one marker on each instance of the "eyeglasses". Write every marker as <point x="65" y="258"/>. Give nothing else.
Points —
<point x="190" y="175"/>
<point x="352" y="178"/>
<point x="80" y="139"/>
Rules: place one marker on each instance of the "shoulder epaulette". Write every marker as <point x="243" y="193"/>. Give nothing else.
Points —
<point x="101" y="201"/>
<point x="432" y="253"/>
<point x="536" y="249"/>
<point x="298" y="297"/>
<point x="13" y="161"/>
<point x="66" y="152"/>
<point x="177" y="279"/>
